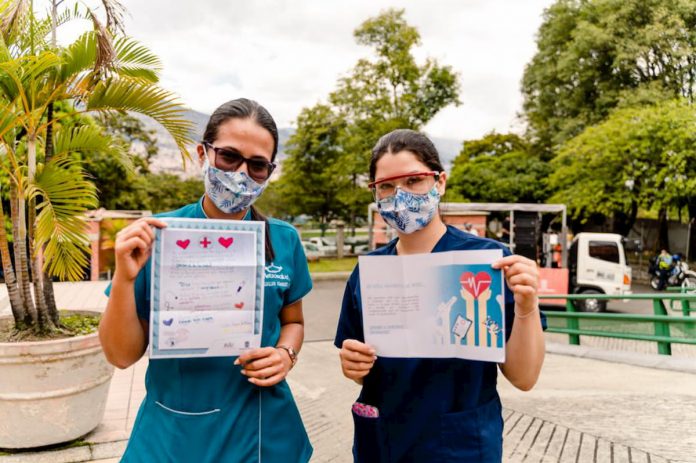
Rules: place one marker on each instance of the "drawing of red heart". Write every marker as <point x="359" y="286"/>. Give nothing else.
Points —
<point x="239" y="305"/>
<point x="183" y="244"/>
<point x="475" y="284"/>
<point x="226" y="242"/>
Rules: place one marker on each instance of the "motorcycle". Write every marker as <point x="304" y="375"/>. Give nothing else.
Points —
<point x="679" y="274"/>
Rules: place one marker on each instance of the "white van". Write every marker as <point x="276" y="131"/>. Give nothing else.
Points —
<point x="597" y="265"/>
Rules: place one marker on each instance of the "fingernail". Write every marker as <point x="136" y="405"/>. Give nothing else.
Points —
<point x="251" y="380"/>
<point x="243" y="372"/>
<point x="236" y="362"/>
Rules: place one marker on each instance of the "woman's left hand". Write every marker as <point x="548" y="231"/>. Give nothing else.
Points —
<point x="265" y="366"/>
<point x="522" y="277"/>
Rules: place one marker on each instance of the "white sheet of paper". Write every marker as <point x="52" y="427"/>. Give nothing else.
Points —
<point x="438" y="305"/>
<point x="207" y="288"/>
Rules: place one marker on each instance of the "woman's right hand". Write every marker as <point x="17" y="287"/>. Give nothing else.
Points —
<point x="133" y="245"/>
<point x="357" y="359"/>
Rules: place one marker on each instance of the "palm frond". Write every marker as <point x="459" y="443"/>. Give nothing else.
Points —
<point x="63" y="195"/>
<point x="114" y="15"/>
<point x="11" y="14"/>
<point x="79" y="56"/>
<point x="25" y="81"/>
<point x="10" y="121"/>
<point x="136" y="61"/>
<point x="105" y="55"/>
<point x="89" y="139"/>
<point x="149" y="100"/>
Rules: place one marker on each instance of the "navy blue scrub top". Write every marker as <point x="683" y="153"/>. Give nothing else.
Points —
<point x="430" y="410"/>
<point x="203" y="409"/>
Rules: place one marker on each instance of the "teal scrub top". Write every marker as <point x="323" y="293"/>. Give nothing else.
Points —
<point x="203" y="409"/>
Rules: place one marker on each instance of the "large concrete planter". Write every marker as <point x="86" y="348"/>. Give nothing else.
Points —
<point x="51" y="391"/>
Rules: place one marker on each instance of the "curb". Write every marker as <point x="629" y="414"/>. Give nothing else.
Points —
<point x="330" y="276"/>
<point x="83" y="453"/>
<point x="655" y="361"/>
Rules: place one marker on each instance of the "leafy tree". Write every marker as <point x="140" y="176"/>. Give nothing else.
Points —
<point x="498" y="168"/>
<point x="166" y="192"/>
<point x="594" y="55"/>
<point x="638" y="157"/>
<point x="313" y="175"/>
<point x="138" y="141"/>
<point x="390" y="90"/>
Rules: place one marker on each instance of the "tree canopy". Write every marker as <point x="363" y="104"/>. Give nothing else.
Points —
<point x="594" y="55"/>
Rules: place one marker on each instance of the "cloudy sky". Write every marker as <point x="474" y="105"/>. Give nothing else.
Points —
<point x="289" y="54"/>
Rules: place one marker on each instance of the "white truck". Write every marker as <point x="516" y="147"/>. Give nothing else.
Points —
<point x="597" y="265"/>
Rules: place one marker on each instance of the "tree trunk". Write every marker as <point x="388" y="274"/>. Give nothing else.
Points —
<point x="20" y="253"/>
<point x="48" y="295"/>
<point x="691" y="205"/>
<point x="36" y="254"/>
<point x="622" y="222"/>
<point x="663" y="230"/>
<point x="18" y="312"/>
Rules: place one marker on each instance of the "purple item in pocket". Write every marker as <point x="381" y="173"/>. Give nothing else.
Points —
<point x="364" y="410"/>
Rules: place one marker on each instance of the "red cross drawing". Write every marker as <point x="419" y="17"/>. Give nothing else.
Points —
<point x="205" y="242"/>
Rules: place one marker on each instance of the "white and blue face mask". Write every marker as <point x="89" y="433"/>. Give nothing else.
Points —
<point x="231" y="192"/>
<point x="409" y="212"/>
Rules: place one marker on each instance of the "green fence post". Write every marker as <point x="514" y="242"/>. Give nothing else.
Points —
<point x="661" y="327"/>
<point x="573" y="324"/>
<point x="685" y="303"/>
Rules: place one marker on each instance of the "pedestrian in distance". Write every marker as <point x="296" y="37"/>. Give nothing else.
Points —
<point x="217" y="409"/>
<point x="665" y="262"/>
<point x="433" y="409"/>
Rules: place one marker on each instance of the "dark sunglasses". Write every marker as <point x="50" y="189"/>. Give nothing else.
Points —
<point x="230" y="161"/>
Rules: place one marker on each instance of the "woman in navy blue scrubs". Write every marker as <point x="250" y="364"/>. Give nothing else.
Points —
<point x="433" y="410"/>
<point x="217" y="410"/>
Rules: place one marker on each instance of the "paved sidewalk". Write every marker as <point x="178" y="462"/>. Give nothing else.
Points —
<point x="582" y="409"/>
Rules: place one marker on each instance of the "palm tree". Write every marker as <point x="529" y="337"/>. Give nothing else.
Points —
<point x="48" y="190"/>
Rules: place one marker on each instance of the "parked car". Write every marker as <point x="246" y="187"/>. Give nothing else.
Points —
<point x="327" y="247"/>
<point x="358" y="244"/>
<point x="311" y="251"/>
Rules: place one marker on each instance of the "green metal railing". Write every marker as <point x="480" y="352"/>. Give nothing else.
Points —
<point x="661" y="328"/>
<point x="687" y="306"/>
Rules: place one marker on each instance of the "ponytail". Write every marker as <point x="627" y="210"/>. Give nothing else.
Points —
<point x="256" y="215"/>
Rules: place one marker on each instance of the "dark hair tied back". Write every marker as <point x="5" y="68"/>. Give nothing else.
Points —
<point x="406" y="140"/>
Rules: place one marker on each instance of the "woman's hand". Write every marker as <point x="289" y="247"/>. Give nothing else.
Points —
<point x="133" y="245"/>
<point x="266" y="366"/>
<point x="522" y="277"/>
<point x="357" y="359"/>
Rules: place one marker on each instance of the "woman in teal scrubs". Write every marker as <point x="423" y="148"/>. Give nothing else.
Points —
<point x="433" y="410"/>
<point x="217" y="409"/>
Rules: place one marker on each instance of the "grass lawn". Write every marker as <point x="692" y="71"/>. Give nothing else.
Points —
<point x="307" y="234"/>
<point x="333" y="265"/>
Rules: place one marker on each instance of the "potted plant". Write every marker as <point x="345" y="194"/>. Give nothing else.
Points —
<point x="53" y="377"/>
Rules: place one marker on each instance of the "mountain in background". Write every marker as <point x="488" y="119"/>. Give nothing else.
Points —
<point x="169" y="159"/>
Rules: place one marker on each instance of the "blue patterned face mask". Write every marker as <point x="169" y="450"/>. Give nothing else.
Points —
<point x="409" y="212"/>
<point x="230" y="191"/>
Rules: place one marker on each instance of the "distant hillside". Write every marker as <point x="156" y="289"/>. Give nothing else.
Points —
<point x="169" y="158"/>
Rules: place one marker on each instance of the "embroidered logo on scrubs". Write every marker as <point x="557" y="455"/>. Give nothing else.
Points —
<point x="276" y="277"/>
<point x="273" y="268"/>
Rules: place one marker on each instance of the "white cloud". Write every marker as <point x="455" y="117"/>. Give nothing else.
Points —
<point x="289" y="54"/>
